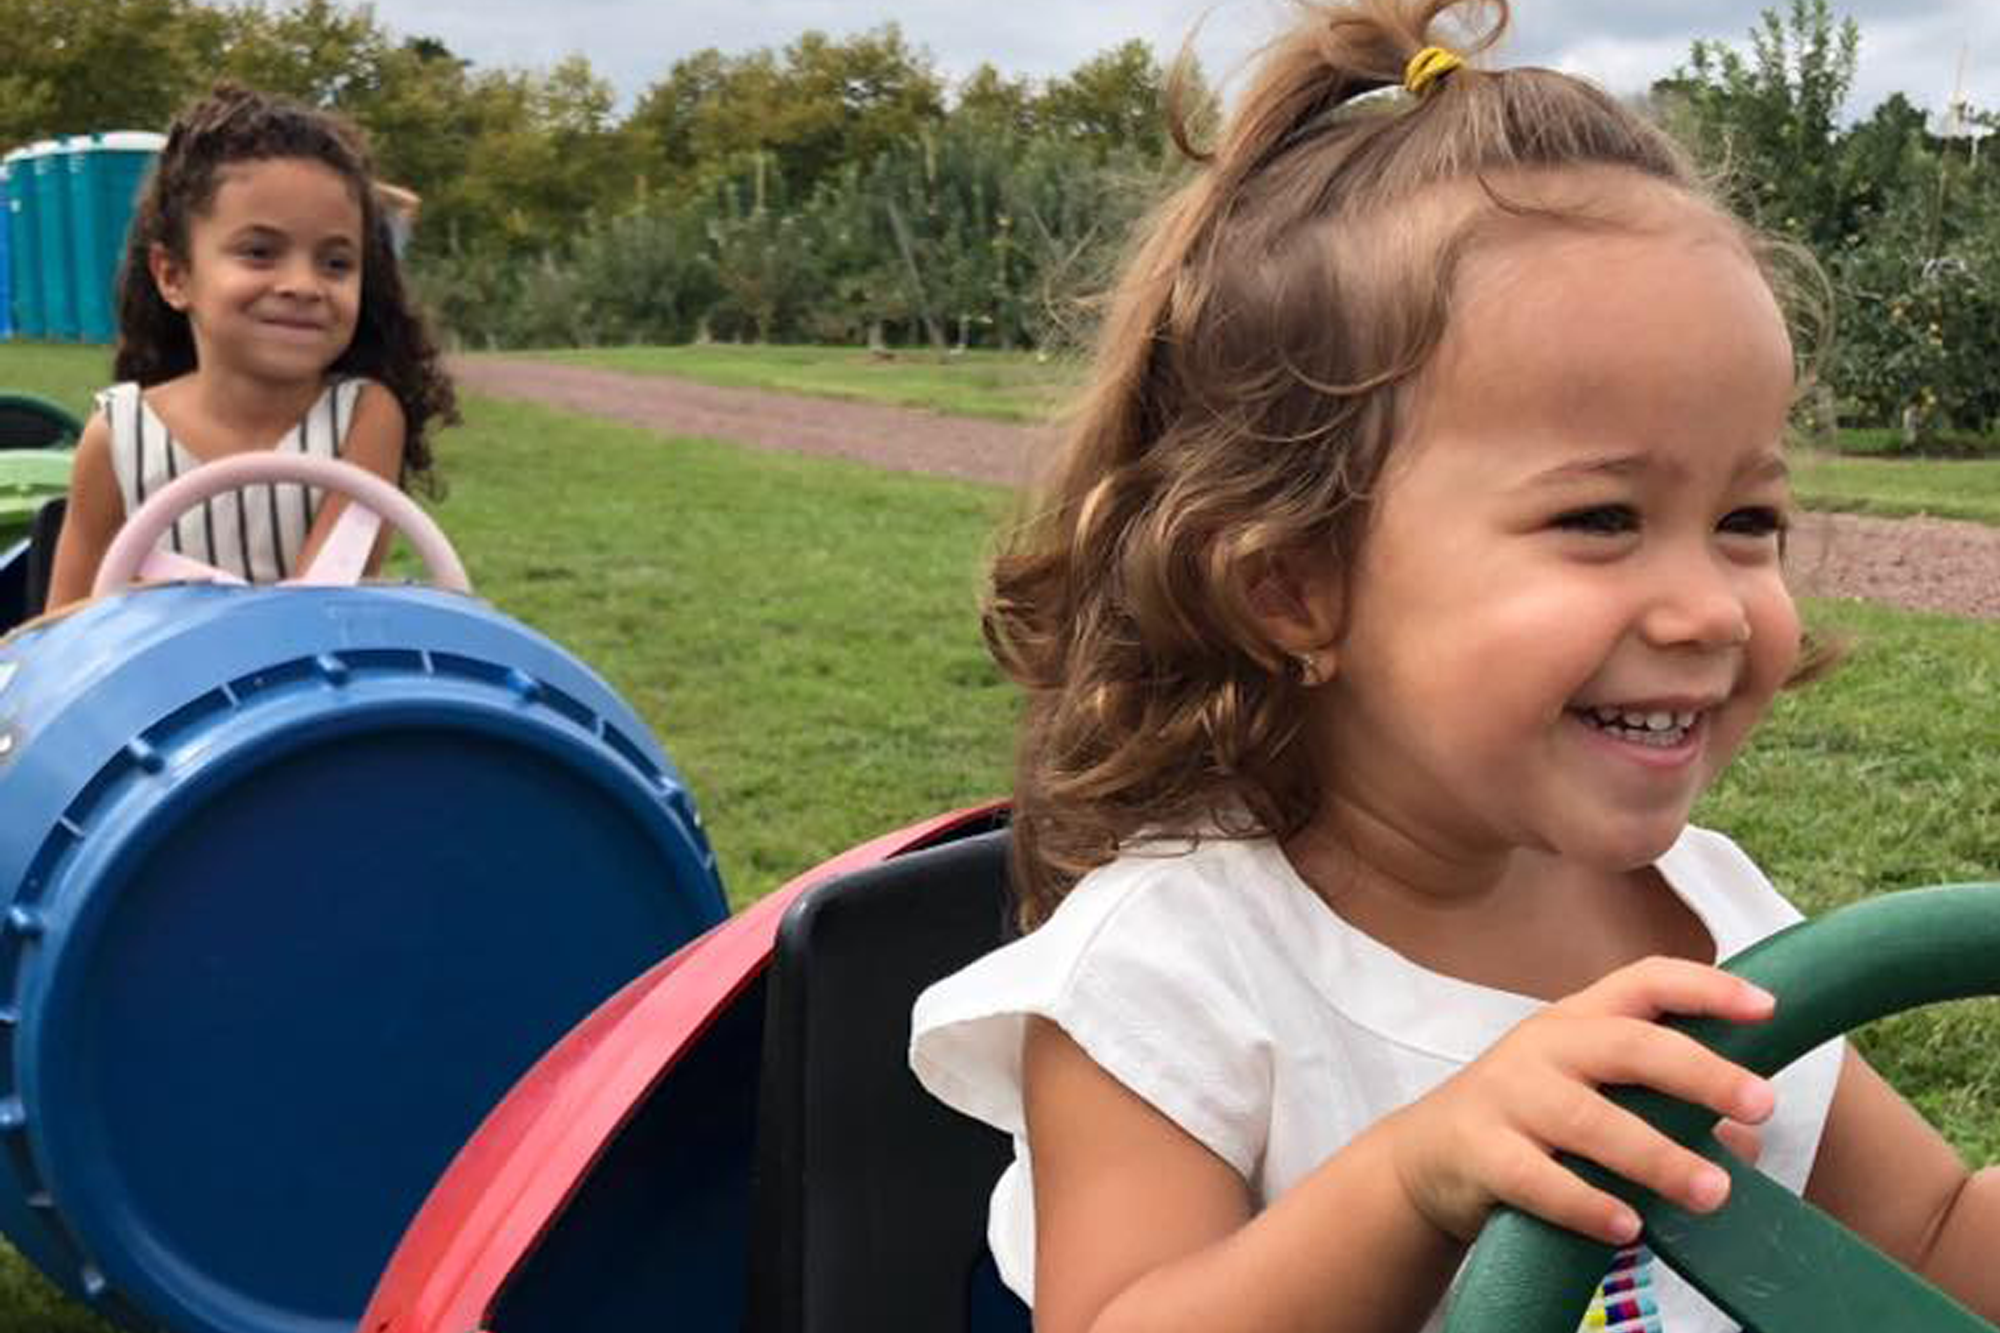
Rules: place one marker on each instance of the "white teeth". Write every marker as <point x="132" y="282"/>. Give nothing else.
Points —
<point x="1661" y="726"/>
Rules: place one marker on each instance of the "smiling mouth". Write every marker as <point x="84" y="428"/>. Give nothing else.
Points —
<point x="1659" y="729"/>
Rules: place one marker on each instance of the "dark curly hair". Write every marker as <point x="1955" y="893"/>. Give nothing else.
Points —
<point x="1247" y="388"/>
<point x="392" y="344"/>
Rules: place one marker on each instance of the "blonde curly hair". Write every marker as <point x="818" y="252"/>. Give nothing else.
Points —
<point x="1244" y="396"/>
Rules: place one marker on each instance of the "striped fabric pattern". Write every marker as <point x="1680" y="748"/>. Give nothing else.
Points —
<point x="256" y="532"/>
<point x="1624" y="1301"/>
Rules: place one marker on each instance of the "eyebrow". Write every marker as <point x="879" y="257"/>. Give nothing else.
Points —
<point x="1769" y="465"/>
<point x="262" y="230"/>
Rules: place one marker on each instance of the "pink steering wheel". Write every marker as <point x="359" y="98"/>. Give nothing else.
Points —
<point x="339" y="561"/>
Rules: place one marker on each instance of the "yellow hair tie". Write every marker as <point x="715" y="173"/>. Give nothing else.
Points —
<point x="1427" y="66"/>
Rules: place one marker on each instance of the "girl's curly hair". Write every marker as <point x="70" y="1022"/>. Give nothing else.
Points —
<point x="1244" y="396"/>
<point x="392" y="343"/>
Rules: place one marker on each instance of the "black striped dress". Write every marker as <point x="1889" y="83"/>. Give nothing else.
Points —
<point x="255" y="533"/>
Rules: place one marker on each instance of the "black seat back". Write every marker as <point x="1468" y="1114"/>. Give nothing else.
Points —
<point x="25" y="566"/>
<point x="870" y="1196"/>
<point x="28" y="422"/>
<point x="41" y="554"/>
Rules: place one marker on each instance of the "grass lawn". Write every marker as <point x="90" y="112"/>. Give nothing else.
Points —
<point x="1888" y="441"/>
<point x="1001" y="385"/>
<point x="1966" y="488"/>
<point x="801" y="635"/>
<point x="60" y="372"/>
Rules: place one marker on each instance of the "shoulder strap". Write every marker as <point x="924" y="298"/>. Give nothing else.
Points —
<point x="346" y="397"/>
<point x="120" y="405"/>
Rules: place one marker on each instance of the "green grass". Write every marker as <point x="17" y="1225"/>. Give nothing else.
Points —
<point x="1885" y="441"/>
<point x="61" y="372"/>
<point x="801" y="635"/>
<point x="1967" y="488"/>
<point x="1002" y="386"/>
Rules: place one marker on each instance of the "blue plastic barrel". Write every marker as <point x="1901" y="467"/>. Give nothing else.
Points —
<point x="52" y="226"/>
<point x="24" y="245"/>
<point x="294" y="884"/>
<point x="105" y="172"/>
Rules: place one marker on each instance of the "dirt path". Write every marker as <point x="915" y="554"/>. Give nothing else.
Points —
<point x="1921" y="563"/>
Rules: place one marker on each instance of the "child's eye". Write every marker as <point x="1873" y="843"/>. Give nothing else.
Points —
<point x="1755" y="521"/>
<point x="1600" y="520"/>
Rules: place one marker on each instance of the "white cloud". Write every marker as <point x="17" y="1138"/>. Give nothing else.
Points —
<point x="1622" y="64"/>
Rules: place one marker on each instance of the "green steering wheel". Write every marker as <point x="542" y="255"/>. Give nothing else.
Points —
<point x="1775" y="1263"/>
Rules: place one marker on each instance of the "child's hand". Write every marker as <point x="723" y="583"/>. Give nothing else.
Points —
<point x="1745" y="1142"/>
<point x="1486" y="1136"/>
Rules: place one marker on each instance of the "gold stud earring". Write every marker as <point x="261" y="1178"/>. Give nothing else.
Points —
<point x="1312" y="671"/>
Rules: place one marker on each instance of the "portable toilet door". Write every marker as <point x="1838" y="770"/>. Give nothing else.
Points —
<point x="24" y="258"/>
<point x="6" y="255"/>
<point x="53" y="223"/>
<point x="103" y="177"/>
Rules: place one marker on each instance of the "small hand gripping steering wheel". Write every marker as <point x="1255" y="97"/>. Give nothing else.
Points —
<point x="1772" y="1261"/>
<point x="340" y="559"/>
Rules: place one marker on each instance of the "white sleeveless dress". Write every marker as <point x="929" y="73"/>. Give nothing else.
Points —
<point x="256" y="532"/>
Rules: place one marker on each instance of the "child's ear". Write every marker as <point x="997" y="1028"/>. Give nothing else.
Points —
<point x="169" y="275"/>
<point x="1296" y="600"/>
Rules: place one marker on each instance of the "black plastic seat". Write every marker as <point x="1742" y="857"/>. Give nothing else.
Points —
<point x="870" y="1197"/>
<point x="41" y="554"/>
<point x="29" y="422"/>
<point x="26" y="565"/>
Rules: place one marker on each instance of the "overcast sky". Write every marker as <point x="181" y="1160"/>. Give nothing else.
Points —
<point x="1912" y="46"/>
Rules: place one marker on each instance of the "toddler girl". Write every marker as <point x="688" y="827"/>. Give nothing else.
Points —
<point x="1414" y="564"/>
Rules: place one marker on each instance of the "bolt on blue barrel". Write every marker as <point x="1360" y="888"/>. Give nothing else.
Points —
<point x="52" y="228"/>
<point x="104" y="174"/>
<point x="294" y="884"/>
<point x="24" y="245"/>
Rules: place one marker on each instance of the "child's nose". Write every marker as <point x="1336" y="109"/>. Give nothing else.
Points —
<point x="299" y="278"/>
<point x="1698" y="601"/>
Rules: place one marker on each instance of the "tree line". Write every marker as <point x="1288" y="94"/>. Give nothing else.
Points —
<point x="840" y="189"/>
<point x="834" y="189"/>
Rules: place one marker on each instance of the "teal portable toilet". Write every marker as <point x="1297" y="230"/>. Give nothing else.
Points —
<point x="105" y="172"/>
<point x="6" y="256"/>
<point x="24" y="245"/>
<point x="52" y="223"/>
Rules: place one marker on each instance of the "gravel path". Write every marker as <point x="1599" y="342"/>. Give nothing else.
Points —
<point x="1925" y="564"/>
